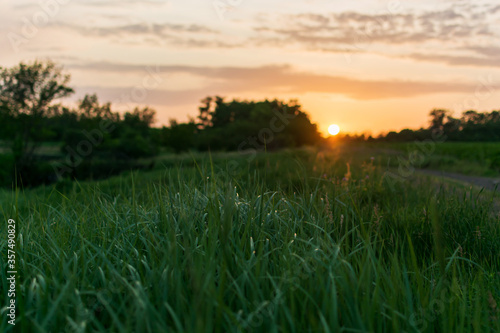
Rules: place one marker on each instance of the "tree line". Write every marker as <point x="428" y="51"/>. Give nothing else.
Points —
<point x="243" y="125"/>
<point x="471" y="126"/>
<point x="42" y="140"/>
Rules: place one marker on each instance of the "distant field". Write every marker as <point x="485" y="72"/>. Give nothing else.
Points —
<point x="471" y="158"/>
<point x="293" y="241"/>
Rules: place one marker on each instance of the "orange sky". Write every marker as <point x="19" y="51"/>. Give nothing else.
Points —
<point x="369" y="66"/>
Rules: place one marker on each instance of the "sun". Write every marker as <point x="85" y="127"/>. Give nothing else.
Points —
<point x="333" y="129"/>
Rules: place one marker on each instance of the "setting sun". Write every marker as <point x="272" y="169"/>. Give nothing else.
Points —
<point x="333" y="129"/>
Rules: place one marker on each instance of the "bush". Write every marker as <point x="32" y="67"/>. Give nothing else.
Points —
<point x="135" y="147"/>
<point x="35" y="174"/>
<point x="6" y="170"/>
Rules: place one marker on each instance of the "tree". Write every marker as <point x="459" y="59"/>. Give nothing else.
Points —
<point x="205" y="113"/>
<point x="89" y="107"/>
<point x="179" y="137"/>
<point x="27" y="92"/>
<point x="438" y="117"/>
<point x="268" y="124"/>
<point x="140" y="120"/>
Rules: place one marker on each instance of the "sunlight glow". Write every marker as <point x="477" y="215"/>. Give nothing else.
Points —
<point x="333" y="129"/>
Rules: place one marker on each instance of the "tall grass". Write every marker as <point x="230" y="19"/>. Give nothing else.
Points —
<point x="472" y="158"/>
<point x="291" y="242"/>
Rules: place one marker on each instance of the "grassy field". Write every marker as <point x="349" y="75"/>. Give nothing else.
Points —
<point x="294" y="241"/>
<point x="470" y="158"/>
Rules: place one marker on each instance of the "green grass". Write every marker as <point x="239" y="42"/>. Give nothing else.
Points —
<point x="296" y="241"/>
<point x="471" y="158"/>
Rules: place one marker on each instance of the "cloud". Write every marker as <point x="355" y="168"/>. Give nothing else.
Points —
<point x="106" y="3"/>
<point x="461" y="35"/>
<point x="477" y="56"/>
<point x="458" y="60"/>
<point x="120" y="95"/>
<point x="180" y="35"/>
<point x="145" y="29"/>
<point x="320" y="30"/>
<point x="464" y="34"/>
<point x="281" y="79"/>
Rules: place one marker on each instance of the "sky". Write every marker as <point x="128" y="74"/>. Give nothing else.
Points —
<point x="367" y="65"/>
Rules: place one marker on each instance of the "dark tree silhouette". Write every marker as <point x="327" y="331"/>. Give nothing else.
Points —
<point x="27" y="92"/>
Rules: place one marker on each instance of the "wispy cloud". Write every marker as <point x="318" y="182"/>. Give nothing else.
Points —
<point x="106" y="3"/>
<point x="145" y="29"/>
<point x="315" y="30"/>
<point x="465" y="34"/>
<point x="461" y="35"/>
<point x="283" y="79"/>
<point x="458" y="60"/>
<point x="180" y="35"/>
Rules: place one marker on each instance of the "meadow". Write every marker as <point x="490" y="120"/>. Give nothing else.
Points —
<point x="290" y="241"/>
<point x="470" y="158"/>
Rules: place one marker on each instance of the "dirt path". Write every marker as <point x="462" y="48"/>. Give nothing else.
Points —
<point x="487" y="183"/>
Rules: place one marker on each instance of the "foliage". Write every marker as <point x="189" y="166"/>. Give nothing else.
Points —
<point x="243" y="125"/>
<point x="179" y="137"/>
<point x="27" y="93"/>
<point x="88" y="134"/>
<point x="293" y="241"/>
<point x="471" y="126"/>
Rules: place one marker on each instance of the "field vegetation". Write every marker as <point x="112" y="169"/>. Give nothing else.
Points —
<point x="244" y="219"/>
<point x="295" y="241"/>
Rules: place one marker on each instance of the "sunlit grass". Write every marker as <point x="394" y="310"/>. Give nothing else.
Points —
<point x="287" y="242"/>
